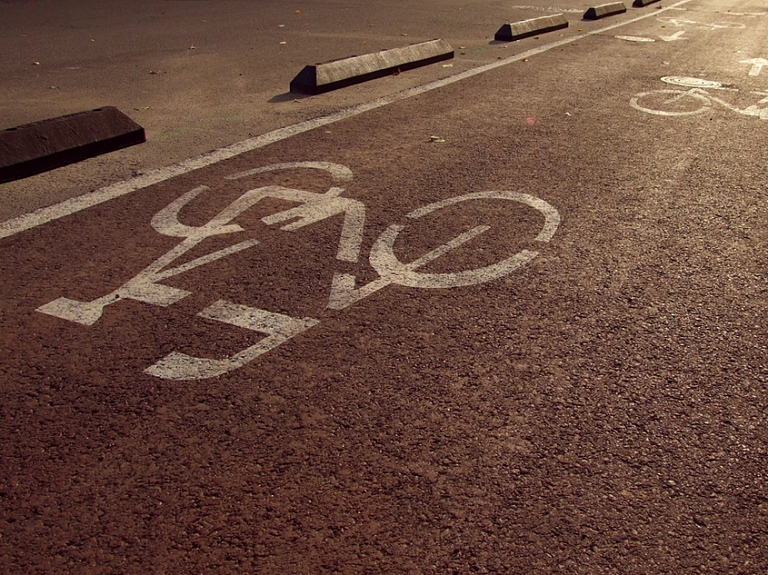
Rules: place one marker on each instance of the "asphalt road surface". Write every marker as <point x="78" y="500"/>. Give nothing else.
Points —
<point x="505" y="317"/>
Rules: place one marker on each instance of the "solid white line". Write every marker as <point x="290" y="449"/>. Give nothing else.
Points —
<point x="74" y="205"/>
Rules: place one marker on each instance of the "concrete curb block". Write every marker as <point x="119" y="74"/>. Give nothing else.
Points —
<point x="526" y="28"/>
<point x="41" y="146"/>
<point x="643" y="3"/>
<point x="604" y="10"/>
<point x="347" y="71"/>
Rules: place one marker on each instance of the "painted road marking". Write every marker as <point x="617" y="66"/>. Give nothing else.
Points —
<point x="674" y="37"/>
<point x="315" y="207"/>
<point x="549" y="9"/>
<point x="319" y="206"/>
<point x="680" y="22"/>
<point x="635" y="39"/>
<point x="74" y="205"/>
<point x="696" y="100"/>
<point x="757" y="65"/>
<point x="278" y="327"/>
<point x="145" y="287"/>
<point x="689" y="82"/>
<point x="392" y="271"/>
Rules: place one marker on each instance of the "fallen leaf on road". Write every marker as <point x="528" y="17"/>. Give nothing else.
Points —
<point x="142" y="108"/>
<point x="193" y="47"/>
<point x="35" y="63"/>
<point x="436" y="139"/>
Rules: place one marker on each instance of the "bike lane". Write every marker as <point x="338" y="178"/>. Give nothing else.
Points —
<point x="595" y="405"/>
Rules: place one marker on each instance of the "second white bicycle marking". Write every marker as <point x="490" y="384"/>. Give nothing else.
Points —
<point x="698" y="95"/>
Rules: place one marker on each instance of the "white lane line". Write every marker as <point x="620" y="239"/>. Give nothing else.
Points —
<point x="74" y="205"/>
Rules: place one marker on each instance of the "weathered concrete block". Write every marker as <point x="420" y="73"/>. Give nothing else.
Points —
<point x="526" y="28"/>
<point x="596" y="12"/>
<point x="347" y="71"/>
<point x="34" y="148"/>
<point x="643" y="3"/>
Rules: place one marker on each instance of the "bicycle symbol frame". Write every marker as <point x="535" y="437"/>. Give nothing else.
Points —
<point x="312" y="208"/>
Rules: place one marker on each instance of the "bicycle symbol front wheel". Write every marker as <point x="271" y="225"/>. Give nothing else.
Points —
<point x="671" y="102"/>
<point x="386" y="263"/>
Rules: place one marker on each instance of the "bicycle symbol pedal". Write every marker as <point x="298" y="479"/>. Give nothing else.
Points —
<point x="278" y="327"/>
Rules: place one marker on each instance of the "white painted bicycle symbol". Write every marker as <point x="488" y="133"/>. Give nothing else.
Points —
<point x="697" y="99"/>
<point x="313" y="207"/>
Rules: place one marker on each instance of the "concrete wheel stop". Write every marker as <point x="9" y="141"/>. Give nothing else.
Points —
<point x="597" y="12"/>
<point x="336" y="74"/>
<point x="41" y="146"/>
<point x="643" y="3"/>
<point x="527" y="28"/>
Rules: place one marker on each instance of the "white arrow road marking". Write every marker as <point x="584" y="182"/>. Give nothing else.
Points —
<point x="757" y="65"/>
